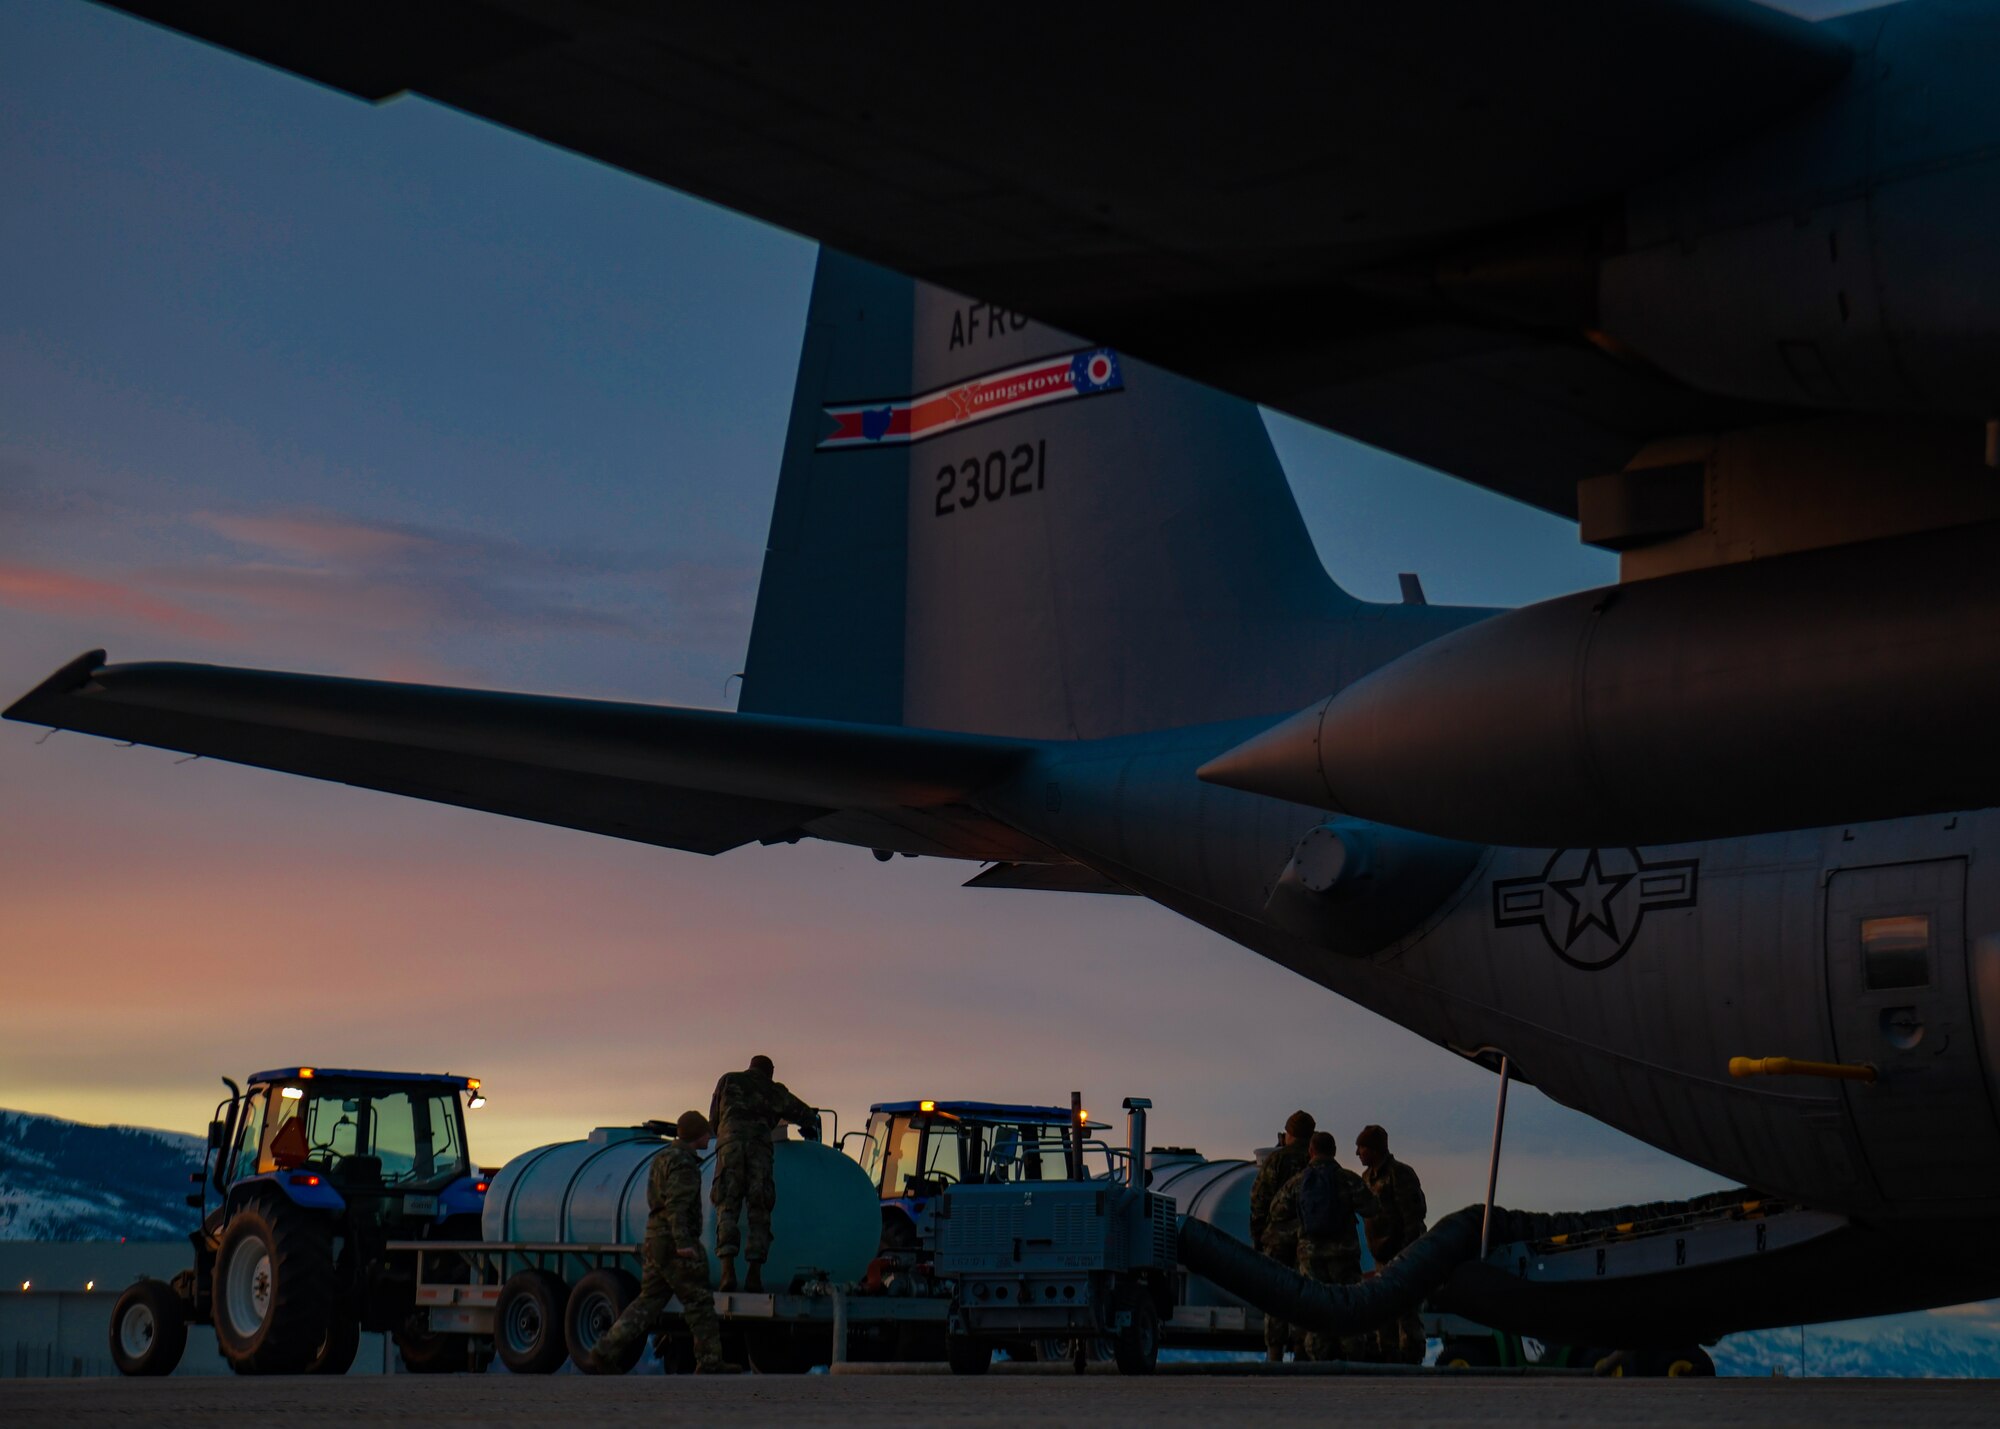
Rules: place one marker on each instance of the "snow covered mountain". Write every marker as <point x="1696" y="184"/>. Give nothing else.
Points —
<point x="64" y="1180"/>
<point x="1959" y="1343"/>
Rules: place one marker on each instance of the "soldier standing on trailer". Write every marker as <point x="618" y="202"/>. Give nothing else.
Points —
<point x="671" y="1258"/>
<point x="747" y="1108"/>
<point x="1278" y="1236"/>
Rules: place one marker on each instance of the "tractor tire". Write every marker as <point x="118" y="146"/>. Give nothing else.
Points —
<point x="528" y="1322"/>
<point x="1137" y="1346"/>
<point x="966" y="1355"/>
<point x="337" y="1351"/>
<point x="148" y="1329"/>
<point x="426" y="1353"/>
<point x="594" y="1307"/>
<point x="274" y="1288"/>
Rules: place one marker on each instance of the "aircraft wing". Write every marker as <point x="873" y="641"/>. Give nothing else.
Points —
<point x="702" y="780"/>
<point x="1379" y="218"/>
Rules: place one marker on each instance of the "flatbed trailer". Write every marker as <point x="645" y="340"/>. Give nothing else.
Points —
<point x="460" y="1284"/>
<point x="1711" y="1248"/>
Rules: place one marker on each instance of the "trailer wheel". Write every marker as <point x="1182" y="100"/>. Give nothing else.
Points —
<point x="148" y="1329"/>
<point x="528" y="1322"/>
<point x="337" y="1350"/>
<point x="594" y="1307"/>
<point x="1137" y="1346"/>
<point x="274" y="1291"/>
<point x="967" y="1355"/>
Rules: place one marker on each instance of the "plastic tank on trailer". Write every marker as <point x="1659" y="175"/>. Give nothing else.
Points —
<point x="828" y="1218"/>
<point x="1215" y="1192"/>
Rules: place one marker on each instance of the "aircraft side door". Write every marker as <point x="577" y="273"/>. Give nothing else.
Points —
<point x="1898" y="983"/>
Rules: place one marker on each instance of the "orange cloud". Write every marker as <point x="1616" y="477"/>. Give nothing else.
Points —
<point x="313" y="535"/>
<point x="39" y="588"/>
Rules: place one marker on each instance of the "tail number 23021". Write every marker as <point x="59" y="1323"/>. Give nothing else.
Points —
<point x="993" y="477"/>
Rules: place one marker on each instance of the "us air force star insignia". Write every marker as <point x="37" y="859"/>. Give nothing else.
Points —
<point x="1590" y="902"/>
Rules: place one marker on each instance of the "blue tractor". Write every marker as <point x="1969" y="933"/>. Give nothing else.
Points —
<point x="310" y="1173"/>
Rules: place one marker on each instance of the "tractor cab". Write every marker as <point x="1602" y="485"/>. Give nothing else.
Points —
<point x="914" y="1151"/>
<point x="386" y="1147"/>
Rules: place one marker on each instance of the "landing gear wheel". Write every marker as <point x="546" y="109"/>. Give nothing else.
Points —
<point x="274" y="1294"/>
<point x="1469" y="1352"/>
<point x="148" y="1329"/>
<point x="594" y="1307"/>
<point x="528" y="1322"/>
<point x="426" y="1353"/>
<point x="1137" y="1346"/>
<point x="967" y="1355"/>
<point x="337" y="1350"/>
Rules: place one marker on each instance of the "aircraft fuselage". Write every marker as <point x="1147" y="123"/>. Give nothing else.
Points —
<point x="1621" y="981"/>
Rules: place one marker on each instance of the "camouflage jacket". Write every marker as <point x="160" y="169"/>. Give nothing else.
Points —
<point x="1360" y="1201"/>
<point x="752" y="1104"/>
<point x="673" y="1196"/>
<point x="1402" y="1218"/>
<point x="1278" y="1168"/>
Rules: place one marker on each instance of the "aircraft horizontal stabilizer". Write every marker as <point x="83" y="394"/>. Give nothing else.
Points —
<point x="701" y="780"/>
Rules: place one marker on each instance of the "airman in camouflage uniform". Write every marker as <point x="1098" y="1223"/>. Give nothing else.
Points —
<point x="747" y="1108"/>
<point x="1278" y="1236"/>
<point x="672" y="1259"/>
<point x="1401" y="1221"/>
<point x="1333" y="1257"/>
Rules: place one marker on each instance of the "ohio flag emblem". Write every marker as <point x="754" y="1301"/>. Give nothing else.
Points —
<point x="995" y="394"/>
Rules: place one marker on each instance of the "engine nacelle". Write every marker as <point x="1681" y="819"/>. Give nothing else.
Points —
<point x="1833" y="686"/>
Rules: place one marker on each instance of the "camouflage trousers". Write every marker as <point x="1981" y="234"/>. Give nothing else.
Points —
<point x="1341" y="1266"/>
<point x="1401" y="1341"/>
<point x="743" y="1180"/>
<point x="1278" y="1333"/>
<point x="666" y="1276"/>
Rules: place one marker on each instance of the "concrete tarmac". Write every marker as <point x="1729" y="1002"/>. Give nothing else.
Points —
<point x="1002" y="1401"/>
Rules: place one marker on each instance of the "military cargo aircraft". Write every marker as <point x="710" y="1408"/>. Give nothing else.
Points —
<point x="1718" y="283"/>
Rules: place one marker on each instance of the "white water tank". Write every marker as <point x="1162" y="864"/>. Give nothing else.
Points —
<point x="1217" y="1192"/>
<point x="828" y="1218"/>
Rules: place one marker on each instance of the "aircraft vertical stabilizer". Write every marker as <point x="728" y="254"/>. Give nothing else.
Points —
<point x="985" y="524"/>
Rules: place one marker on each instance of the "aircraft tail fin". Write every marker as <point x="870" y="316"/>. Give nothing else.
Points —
<point x="987" y="525"/>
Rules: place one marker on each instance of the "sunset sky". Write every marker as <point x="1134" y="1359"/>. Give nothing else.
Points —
<point x="287" y="381"/>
